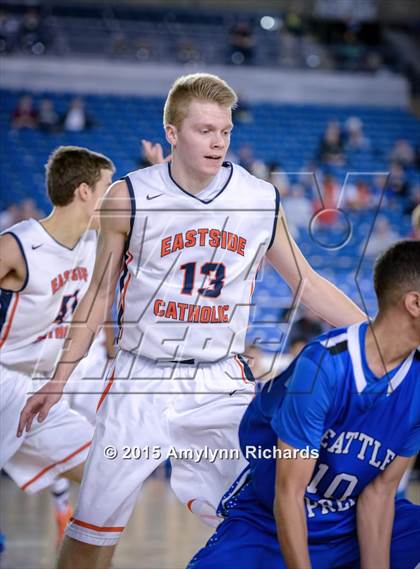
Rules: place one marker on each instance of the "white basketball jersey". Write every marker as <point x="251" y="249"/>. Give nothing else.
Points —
<point x="35" y="320"/>
<point x="190" y="264"/>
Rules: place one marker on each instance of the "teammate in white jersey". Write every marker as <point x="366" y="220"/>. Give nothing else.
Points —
<point x="189" y="237"/>
<point x="45" y="268"/>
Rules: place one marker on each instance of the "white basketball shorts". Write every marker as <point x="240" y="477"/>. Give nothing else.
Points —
<point x="52" y="447"/>
<point x="86" y="384"/>
<point x="150" y="412"/>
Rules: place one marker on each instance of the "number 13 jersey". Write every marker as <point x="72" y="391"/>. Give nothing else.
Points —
<point x="190" y="263"/>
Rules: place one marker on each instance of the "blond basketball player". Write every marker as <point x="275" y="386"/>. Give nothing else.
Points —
<point x="45" y="268"/>
<point x="185" y="239"/>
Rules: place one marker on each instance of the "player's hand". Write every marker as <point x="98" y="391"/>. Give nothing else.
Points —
<point x="154" y="152"/>
<point x="39" y="404"/>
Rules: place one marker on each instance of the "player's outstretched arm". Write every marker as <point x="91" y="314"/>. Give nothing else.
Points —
<point x="317" y="293"/>
<point x="292" y="478"/>
<point x="375" y="515"/>
<point x="94" y="307"/>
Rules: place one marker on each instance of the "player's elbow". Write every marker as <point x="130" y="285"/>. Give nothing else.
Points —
<point x="376" y="493"/>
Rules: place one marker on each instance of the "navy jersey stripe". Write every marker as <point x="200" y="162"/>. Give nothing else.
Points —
<point x="133" y="210"/>
<point x="205" y="202"/>
<point x="338" y="348"/>
<point x="276" y="216"/>
<point x="19" y="242"/>
<point x="124" y="272"/>
<point x="5" y="300"/>
<point x="248" y="373"/>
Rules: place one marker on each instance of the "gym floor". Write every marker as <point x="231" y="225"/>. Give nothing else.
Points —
<point x="162" y="534"/>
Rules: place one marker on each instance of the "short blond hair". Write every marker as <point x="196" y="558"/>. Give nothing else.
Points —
<point x="415" y="218"/>
<point x="197" y="86"/>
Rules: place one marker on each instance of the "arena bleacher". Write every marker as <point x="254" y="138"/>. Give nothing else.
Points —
<point x="283" y="134"/>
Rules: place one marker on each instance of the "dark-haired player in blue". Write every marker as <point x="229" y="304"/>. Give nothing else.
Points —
<point x="352" y="398"/>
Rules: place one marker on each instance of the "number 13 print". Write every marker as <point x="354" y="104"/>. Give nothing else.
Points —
<point x="216" y="273"/>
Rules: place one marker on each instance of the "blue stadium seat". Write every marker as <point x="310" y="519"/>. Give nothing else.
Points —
<point x="286" y="134"/>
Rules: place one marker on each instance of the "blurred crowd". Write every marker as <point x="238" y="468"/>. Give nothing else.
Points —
<point x="339" y="146"/>
<point x="46" y="118"/>
<point x="19" y="211"/>
<point x="287" y="39"/>
<point x="318" y="186"/>
<point x="24" y="33"/>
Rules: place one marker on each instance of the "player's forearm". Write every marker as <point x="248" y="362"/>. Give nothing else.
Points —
<point x="326" y="300"/>
<point x="87" y="319"/>
<point x="375" y="518"/>
<point x="292" y="532"/>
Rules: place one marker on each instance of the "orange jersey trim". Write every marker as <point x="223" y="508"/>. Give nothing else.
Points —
<point x="96" y="528"/>
<point x="48" y="468"/>
<point x="106" y="390"/>
<point x="9" y="324"/>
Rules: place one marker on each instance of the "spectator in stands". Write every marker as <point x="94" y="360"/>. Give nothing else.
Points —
<point x="28" y="209"/>
<point x="143" y="49"/>
<point x="119" y="45"/>
<point x="331" y="149"/>
<point x="9" y="32"/>
<point x="298" y="210"/>
<point x="355" y="138"/>
<point x="330" y="190"/>
<point x="278" y="177"/>
<point x="294" y="23"/>
<point x="241" y="44"/>
<point x="16" y="212"/>
<point x="246" y="157"/>
<point x="290" y="52"/>
<point x="349" y="50"/>
<point x="48" y="118"/>
<point x="307" y="175"/>
<point x="382" y="237"/>
<point x="397" y="187"/>
<point x="33" y="36"/>
<point x="403" y="153"/>
<point x="188" y="51"/>
<point x="260" y="169"/>
<point x="247" y="160"/>
<point x="415" y="222"/>
<point x="359" y="196"/>
<point x="373" y="62"/>
<point x="24" y="115"/>
<point x="9" y="216"/>
<point x="76" y="118"/>
<point x="242" y="113"/>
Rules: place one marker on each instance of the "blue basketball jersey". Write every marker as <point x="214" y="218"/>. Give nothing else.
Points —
<point x="328" y="402"/>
